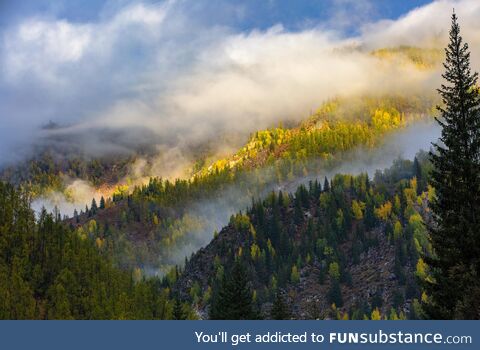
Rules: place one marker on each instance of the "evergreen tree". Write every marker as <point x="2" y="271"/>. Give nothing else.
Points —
<point x="178" y="313"/>
<point x="60" y="308"/>
<point x="298" y="211"/>
<point x="47" y="271"/>
<point x="75" y="215"/>
<point x="93" y="207"/>
<point x="335" y="293"/>
<point x="326" y="185"/>
<point x="102" y="203"/>
<point x="280" y="309"/>
<point x="454" y="291"/>
<point x="417" y="171"/>
<point x="233" y="300"/>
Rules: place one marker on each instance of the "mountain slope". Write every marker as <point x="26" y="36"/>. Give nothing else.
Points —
<point x="353" y="243"/>
<point x="338" y="126"/>
<point x="157" y="224"/>
<point x="49" y="272"/>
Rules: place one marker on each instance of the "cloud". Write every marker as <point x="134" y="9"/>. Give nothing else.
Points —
<point x="350" y="14"/>
<point x="53" y="69"/>
<point x="159" y="74"/>
<point x="52" y="51"/>
<point x="427" y="26"/>
<point x="41" y="48"/>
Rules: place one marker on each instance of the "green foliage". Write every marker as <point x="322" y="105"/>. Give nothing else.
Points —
<point x="178" y="313"/>
<point x="454" y="287"/>
<point x="335" y="293"/>
<point x="240" y="222"/>
<point x="339" y="125"/>
<point x="50" y="272"/>
<point x="294" y="275"/>
<point x="148" y="224"/>
<point x="233" y="297"/>
<point x="319" y="231"/>
<point x="145" y="225"/>
<point x="334" y="271"/>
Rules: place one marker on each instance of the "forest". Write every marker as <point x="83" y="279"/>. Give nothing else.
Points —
<point x="272" y="230"/>
<point x="48" y="271"/>
<point x="317" y="240"/>
<point x="164" y="213"/>
<point x="51" y="271"/>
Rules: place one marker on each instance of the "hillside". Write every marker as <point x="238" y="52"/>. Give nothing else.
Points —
<point x="155" y="225"/>
<point x="48" y="172"/>
<point x="152" y="223"/>
<point x="59" y="156"/>
<point x="339" y="125"/>
<point x="48" y="271"/>
<point x="421" y="58"/>
<point x="352" y="242"/>
<point x="168" y="160"/>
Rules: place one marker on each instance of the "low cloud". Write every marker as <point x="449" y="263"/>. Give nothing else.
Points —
<point x="77" y="195"/>
<point x="428" y="26"/>
<point x="158" y="75"/>
<point x="213" y="215"/>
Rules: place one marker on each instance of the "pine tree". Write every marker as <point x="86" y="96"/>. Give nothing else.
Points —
<point x="335" y="293"/>
<point x="60" y="307"/>
<point x="417" y="171"/>
<point x="93" y="207"/>
<point x="298" y="212"/>
<point x="102" y="203"/>
<point x="178" y="313"/>
<point x="454" y="290"/>
<point x="280" y="309"/>
<point x="48" y="271"/>
<point x="233" y="300"/>
<point x="326" y="185"/>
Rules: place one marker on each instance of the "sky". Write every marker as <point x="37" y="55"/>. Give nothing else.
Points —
<point x="242" y="15"/>
<point x="115" y="74"/>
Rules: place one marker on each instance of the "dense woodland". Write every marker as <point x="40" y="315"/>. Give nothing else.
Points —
<point x="446" y="257"/>
<point x="339" y="125"/>
<point x="64" y="273"/>
<point x="49" y="272"/>
<point x="324" y="229"/>
<point x="149" y="224"/>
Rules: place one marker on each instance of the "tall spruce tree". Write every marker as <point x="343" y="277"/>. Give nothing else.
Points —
<point x="454" y="289"/>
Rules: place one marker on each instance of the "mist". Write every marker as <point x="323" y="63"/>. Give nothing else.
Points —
<point x="214" y="213"/>
<point x="157" y="76"/>
<point x="77" y="195"/>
